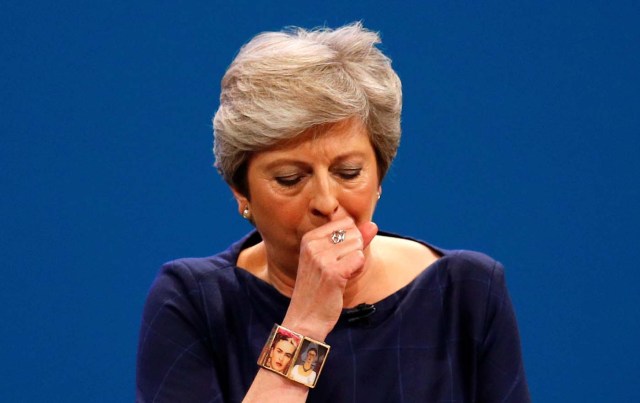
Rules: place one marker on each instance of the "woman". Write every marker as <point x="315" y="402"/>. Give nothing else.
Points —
<point x="304" y="372"/>
<point x="282" y="350"/>
<point x="308" y="124"/>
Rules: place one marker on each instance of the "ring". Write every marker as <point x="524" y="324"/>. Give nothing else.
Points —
<point x="338" y="236"/>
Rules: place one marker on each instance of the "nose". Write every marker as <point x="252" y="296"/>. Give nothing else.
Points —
<point x="324" y="198"/>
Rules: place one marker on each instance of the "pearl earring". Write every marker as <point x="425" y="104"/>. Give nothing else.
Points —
<point x="246" y="214"/>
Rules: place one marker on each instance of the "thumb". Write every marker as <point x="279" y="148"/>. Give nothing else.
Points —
<point x="368" y="230"/>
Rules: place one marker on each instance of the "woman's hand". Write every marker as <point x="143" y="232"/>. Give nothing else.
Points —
<point x="323" y="272"/>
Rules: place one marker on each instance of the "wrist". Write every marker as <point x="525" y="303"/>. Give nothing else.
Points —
<point x="315" y="329"/>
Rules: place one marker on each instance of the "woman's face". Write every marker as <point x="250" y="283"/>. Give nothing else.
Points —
<point x="281" y="354"/>
<point x="304" y="184"/>
<point x="311" y="357"/>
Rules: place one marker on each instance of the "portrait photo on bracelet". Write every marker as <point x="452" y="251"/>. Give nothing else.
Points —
<point x="309" y="363"/>
<point x="280" y="350"/>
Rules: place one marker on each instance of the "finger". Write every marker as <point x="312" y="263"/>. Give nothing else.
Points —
<point x="351" y="263"/>
<point x="352" y="243"/>
<point x="344" y="223"/>
<point x="368" y="231"/>
<point x="329" y="228"/>
<point x="346" y="227"/>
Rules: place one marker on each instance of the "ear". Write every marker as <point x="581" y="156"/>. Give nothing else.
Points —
<point x="240" y="199"/>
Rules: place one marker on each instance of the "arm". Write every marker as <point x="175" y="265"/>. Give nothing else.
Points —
<point x="174" y="362"/>
<point x="317" y="298"/>
<point x="501" y="369"/>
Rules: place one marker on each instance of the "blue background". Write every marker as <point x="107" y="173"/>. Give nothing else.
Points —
<point x="520" y="138"/>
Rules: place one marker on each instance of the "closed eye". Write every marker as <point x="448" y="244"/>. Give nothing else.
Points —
<point x="349" y="173"/>
<point x="289" y="180"/>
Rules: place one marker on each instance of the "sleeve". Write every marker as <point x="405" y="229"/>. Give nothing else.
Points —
<point x="174" y="362"/>
<point x="501" y="369"/>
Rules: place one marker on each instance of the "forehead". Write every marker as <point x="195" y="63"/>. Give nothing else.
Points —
<point x="325" y="140"/>
<point x="285" y="345"/>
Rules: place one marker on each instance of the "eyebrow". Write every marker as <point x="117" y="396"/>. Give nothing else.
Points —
<point x="294" y="161"/>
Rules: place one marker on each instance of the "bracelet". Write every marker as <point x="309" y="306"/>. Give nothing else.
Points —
<point x="294" y="356"/>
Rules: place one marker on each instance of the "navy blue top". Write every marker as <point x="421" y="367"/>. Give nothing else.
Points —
<point x="448" y="336"/>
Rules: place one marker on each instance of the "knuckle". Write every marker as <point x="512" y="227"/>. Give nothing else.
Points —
<point x="306" y="237"/>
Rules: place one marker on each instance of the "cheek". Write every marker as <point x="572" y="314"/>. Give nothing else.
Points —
<point x="288" y="213"/>
<point x="360" y="205"/>
<point x="280" y="209"/>
<point x="271" y="220"/>
<point x="279" y="221"/>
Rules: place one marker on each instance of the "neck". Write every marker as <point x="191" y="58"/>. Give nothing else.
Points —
<point x="359" y="287"/>
<point x="281" y="273"/>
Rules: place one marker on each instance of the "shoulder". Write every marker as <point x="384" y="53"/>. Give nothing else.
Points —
<point x="472" y="274"/>
<point x="178" y="288"/>
<point x="185" y="281"/>
<point x="195" y="269"/>
<point x="184" y="276"/>
<point x="463" y="264"/>
<point x="456" y="264"/>
<point x="190" y="290"/>
<point x="191" y="271"/>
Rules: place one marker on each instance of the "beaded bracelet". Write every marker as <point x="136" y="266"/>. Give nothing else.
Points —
<point x="294" y="356"/>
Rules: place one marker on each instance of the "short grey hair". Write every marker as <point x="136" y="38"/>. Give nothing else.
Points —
<point x="283" y="83"/>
